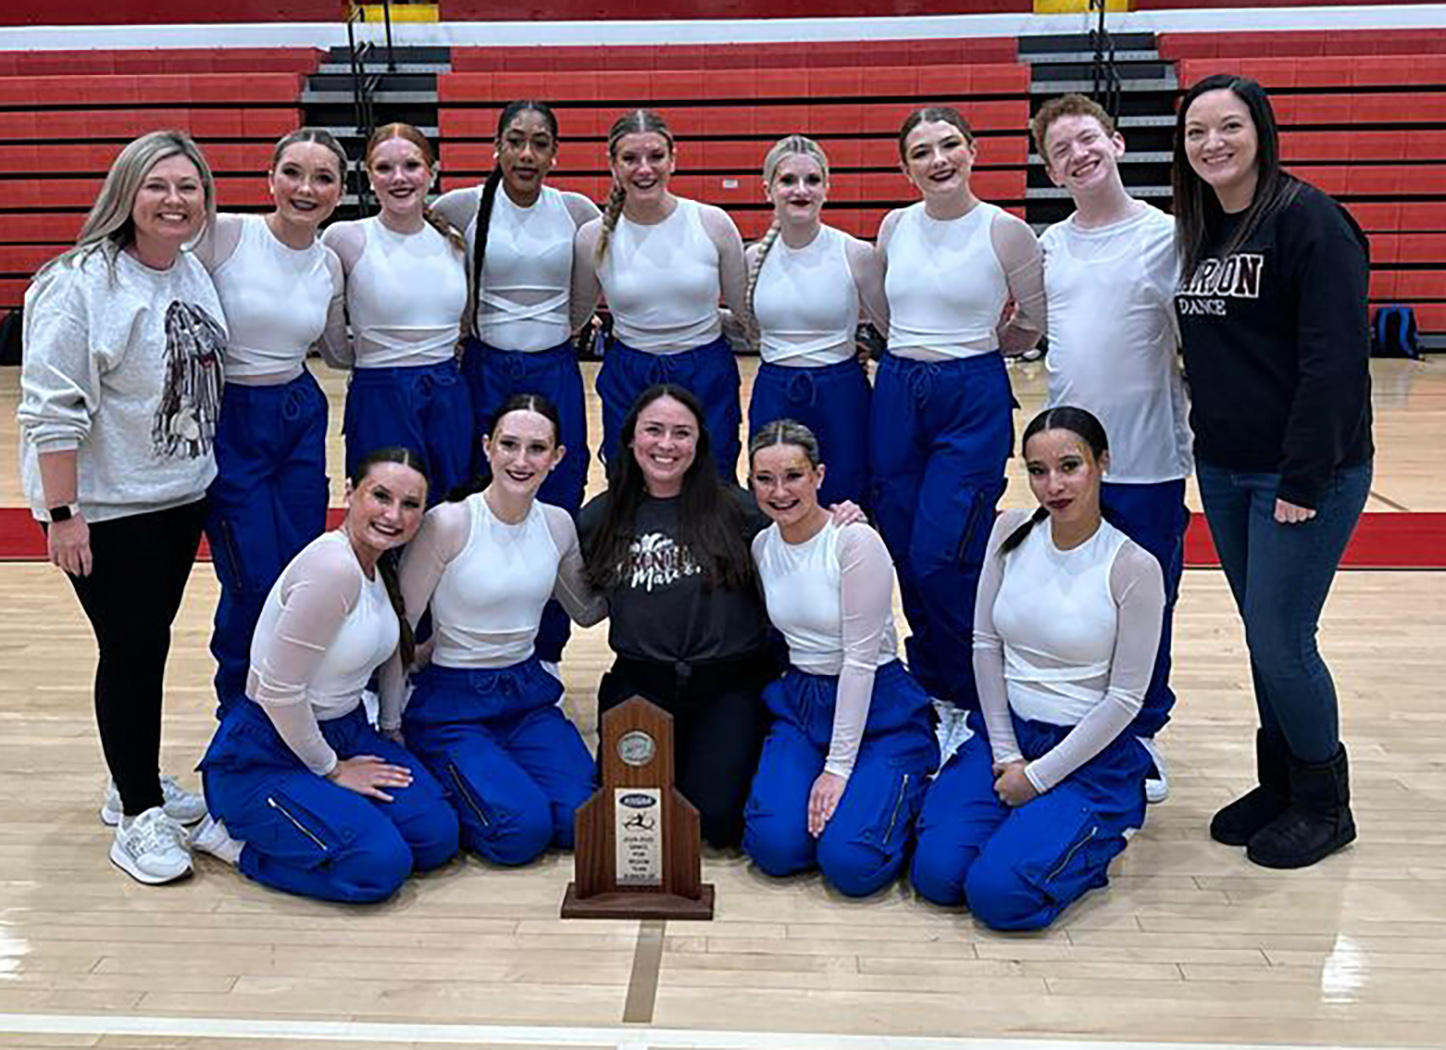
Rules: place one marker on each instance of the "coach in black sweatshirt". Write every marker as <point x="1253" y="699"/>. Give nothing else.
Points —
<point x="1274" y="323"/>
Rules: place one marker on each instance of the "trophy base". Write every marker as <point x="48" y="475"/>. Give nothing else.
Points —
<point x="637" y="904"/>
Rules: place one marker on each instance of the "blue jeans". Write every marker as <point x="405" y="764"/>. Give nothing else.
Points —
<point x="1280" y="576"/>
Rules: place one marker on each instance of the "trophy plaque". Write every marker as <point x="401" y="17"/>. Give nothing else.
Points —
<point x="637" y="854"/>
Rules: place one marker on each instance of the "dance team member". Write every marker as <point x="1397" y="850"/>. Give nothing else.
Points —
<point x="305" y="795"/>
<point x="120" y="390"/>
<point x="942" y="426"/>
<point x="1273" y="315"/>
<point x="484" y="715"/>
<point x="1026" y="818"/>
<point x="806" y="282"/>
<point x="1110" y="273"/>
<point x="667" y="544"/>
<point x="278" y="285"/>
<point x="406" y="292"/>
<point x="852" y="742"/>
<point x="519" y="239"/>
<point x="663" y="262"/>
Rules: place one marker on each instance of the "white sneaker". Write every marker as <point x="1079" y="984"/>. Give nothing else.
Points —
<point x="181" y="805"/>
<point x="151" y="848"/>
<point x="953" y="729"/>
<point x="213" y="838"/>
<point x="1157" y="788"/>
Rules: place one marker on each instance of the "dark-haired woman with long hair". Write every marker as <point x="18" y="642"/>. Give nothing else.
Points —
<point x="279" y="286"/>
<point x="1027" y="816"/>
<point x="663" y="262"/>
<point x="305" y="796"/>
<point x="942" y="424"/>
<point x="520" y="234"/>
<point x="1274" y="324"/>
<point x="667" y="544"/>
<point x="406" y="292"/>
<point x="484" y="713"/>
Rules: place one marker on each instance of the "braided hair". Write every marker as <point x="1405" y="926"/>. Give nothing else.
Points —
<point x="789" y="146"/>
<point x="634" y="122"/>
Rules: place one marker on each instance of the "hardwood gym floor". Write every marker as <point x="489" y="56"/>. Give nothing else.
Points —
<point x="1190" y="943"/>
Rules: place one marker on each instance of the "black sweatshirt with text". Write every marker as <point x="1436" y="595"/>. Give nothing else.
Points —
<point x="1277" y="346"/>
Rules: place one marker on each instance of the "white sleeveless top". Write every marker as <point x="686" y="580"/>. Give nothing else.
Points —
<point x="1058" y="620"/>
<point x="361" y="638"/>
<point x="275" y="299"/>
<point x="944" y="284"/>
<point x="806" y="302"/>
<point x="803" y="589"/>
<point x="405" y="297"/>
<point x="529" y="250"/>
<point x="488" y="604"/>
<point x="662" y="282"/>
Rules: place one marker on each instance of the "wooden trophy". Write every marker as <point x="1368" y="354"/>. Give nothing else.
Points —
<point x="637" y="838"/>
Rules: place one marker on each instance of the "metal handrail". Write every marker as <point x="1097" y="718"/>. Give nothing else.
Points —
<point x="363" y="85"/>
<point x="1107" y="85"/>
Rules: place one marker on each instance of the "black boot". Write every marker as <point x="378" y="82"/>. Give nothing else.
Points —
<point x="1318" y="821"/>
<point x="1237" y="822"/>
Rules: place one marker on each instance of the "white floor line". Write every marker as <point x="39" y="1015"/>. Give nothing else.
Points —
<point x="523" y="1036"/>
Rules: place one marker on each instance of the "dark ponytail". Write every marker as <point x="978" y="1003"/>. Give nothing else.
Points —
<point x="1081" y="424"/>
<point x="387" y="563"/>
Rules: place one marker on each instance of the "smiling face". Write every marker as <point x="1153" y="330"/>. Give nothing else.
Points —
<point x="400" y="176"/>
<point x="526" y="152"/>
<point x="1064" y="476"/>
<point x="385" y="509"/>
<point x="642" y="163"/>
<point x="798" y="189"/>
<point x="1080" y="155"/>
<point x="1223" y="147"/>
<point x="169" y="207"/>
<point x="938" y="159"/>
<point x="522" y="450"/>
<point x="786" y="484"/>
<point x="665" y="443"/>
<point x="306" y="183"/>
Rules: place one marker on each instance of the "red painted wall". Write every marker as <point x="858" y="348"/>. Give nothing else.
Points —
<point x="165" y="12"/>
<point x="653" y="10"/>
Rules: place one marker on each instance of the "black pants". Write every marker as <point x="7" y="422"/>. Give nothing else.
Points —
<point x="718" y="727"/>
<point x="140" y="565"/>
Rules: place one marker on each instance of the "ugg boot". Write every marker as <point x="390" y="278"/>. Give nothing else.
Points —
<point x="1316" y="824"/>
<point x="1237" y="822"/>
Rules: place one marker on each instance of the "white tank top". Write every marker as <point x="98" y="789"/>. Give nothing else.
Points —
<point x="275" y="299"/>
<point x="405" y="297"/>
<point x="662" y="282"/>
<point x="488" y="604"/>
<point x="806" y="302"/>
<point x="944" y="284"/>
<point x="529" y="259"/>
<point x="802" y="588"/>
<point x="1058" y="621"/>
<point x="366" y="639"/>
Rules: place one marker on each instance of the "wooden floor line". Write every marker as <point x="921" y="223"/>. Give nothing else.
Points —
<point x="1390" y="502"/>
<point x="647" y="965"/>
<point x="523" y="1036"/>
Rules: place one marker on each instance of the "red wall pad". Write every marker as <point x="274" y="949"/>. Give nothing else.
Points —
<point x="653" y="10"/>
<point x="157" y="89"/>
<point x="166" y="12"/>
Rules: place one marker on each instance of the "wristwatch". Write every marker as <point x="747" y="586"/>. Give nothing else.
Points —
<point x="64" y="512"/>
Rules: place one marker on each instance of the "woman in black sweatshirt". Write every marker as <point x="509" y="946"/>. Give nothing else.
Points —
<point x="1273" y="319"/>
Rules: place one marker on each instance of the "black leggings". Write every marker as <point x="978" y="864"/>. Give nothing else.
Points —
<point x="140" y="565"/>
<point x="719" y="724"/>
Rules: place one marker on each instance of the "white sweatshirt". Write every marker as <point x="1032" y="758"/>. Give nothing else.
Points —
<point x="125" y="369"/>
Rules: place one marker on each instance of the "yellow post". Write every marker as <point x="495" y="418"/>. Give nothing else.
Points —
<point x="1073" y="7"/>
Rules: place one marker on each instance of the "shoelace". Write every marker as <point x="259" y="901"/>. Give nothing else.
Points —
<point x="150" y="833"/>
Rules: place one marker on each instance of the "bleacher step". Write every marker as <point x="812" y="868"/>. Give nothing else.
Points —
<point x="1166" y="84"/>
<point x="343" y="69"/>
<point x="1048" y="193"/>
<point x="345" y="98"/>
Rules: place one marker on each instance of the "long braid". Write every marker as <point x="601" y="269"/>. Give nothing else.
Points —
<point x="765" y="245"/>
<point x="1015" y="538"/>
<point x="407" y="640"/>
<point x="479" y="251"/>
<point x="617" y="196"/>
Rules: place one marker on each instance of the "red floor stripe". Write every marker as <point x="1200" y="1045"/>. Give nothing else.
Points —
<point x="1414" y="540"/>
